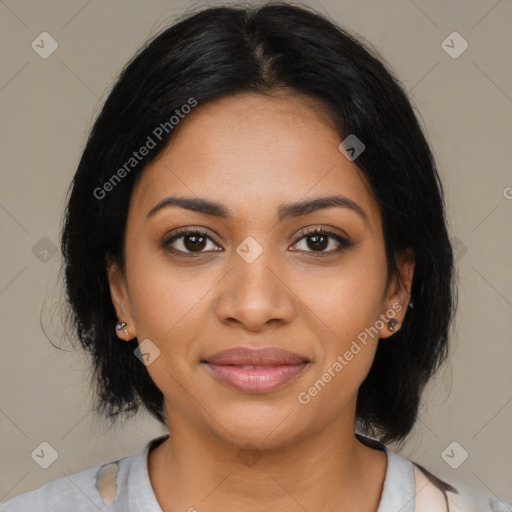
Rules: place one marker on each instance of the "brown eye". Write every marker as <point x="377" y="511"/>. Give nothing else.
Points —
<point x="194" y="242"/>
<point x="318" y="240"/>
<point x="188" y="242"/>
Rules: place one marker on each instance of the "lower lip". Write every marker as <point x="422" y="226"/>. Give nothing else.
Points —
<point x="257" y="380"/>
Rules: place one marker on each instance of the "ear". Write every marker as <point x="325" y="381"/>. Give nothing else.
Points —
<point x="399" y="292"/>
<point x="120" y="300"/>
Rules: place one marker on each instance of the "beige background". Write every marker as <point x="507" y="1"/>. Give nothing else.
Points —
<point x="47" y="107"/>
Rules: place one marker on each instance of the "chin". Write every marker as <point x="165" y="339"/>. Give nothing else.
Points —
<point x="266" y="426"/>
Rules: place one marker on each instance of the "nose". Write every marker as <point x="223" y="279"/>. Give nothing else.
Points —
<point x="256" y="295"/>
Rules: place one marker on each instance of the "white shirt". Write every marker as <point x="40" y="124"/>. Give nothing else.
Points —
<point x="124" y="486"/>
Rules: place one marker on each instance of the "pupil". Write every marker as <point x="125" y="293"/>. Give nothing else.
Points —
<point x="194" y="245"/>
<point x="191" y="245"/>
<point x="316" y="245"/>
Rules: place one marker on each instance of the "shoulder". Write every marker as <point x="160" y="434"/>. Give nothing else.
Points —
<point x="78" y="489"/>
<point x="433" y="493"/>
<point x="83" y="491"/>
<point x="409" y="487"/>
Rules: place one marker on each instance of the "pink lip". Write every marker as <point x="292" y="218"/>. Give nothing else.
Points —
<point x="273" y="368"/>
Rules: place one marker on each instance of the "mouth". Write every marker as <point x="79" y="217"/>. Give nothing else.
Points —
<point x="256" y="371"/>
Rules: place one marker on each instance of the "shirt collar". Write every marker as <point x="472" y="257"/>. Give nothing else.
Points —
<point x="397" y="493"/>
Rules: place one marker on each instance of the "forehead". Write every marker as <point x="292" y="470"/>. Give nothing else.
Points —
<point x="253" y="153"/>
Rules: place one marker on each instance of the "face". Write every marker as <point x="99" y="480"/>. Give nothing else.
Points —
<point x="257" y="276"/>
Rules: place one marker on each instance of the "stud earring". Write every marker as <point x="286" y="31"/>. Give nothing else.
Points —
<point x="121" y="327"/>
<point x="392" y="323"/>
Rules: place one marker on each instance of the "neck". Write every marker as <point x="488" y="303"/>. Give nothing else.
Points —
<point x="330" y="470"/>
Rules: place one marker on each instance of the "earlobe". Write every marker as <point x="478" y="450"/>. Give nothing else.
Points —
<point x="399" y="293"/>
<point x="120" y="300"/>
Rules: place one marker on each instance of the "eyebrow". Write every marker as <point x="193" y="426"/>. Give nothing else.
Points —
<point x="285" y="211"/>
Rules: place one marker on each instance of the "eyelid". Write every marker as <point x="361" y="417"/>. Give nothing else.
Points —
<point x="342" y="239"/>
<point x="191" y="230"/>
<point x="188" y="230"/>
<point x="328" y="230"/>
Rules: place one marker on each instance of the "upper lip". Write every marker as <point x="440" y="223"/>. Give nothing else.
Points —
<point x="264" y="356"/>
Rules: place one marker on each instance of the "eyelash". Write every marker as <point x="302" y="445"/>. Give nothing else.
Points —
<point x="182" y="232"/>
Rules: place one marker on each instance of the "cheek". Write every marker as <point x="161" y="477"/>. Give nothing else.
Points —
<point x="168" y="307"/>
<point x="343" y="308"/>
<point x="166" y="300"/>
<point x="345" y="299"/>
<point x="344" y="314"/>
<point x="165" y="304"/>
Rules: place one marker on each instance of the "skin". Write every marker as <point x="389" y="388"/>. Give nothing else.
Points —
<point x="251" y="154"/>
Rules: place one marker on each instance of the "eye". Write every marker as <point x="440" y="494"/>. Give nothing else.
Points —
<point x="189" y="241"/>
<point x="319" y="239"/>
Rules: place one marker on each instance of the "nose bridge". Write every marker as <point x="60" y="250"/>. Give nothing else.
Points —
<point x="255" y="275"/>
<point x="253" y="293"/>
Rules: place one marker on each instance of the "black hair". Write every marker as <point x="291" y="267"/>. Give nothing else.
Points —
<point x="222" y="51"/>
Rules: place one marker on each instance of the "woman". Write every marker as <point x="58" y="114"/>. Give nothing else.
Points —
<point x="256" y="253"/>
